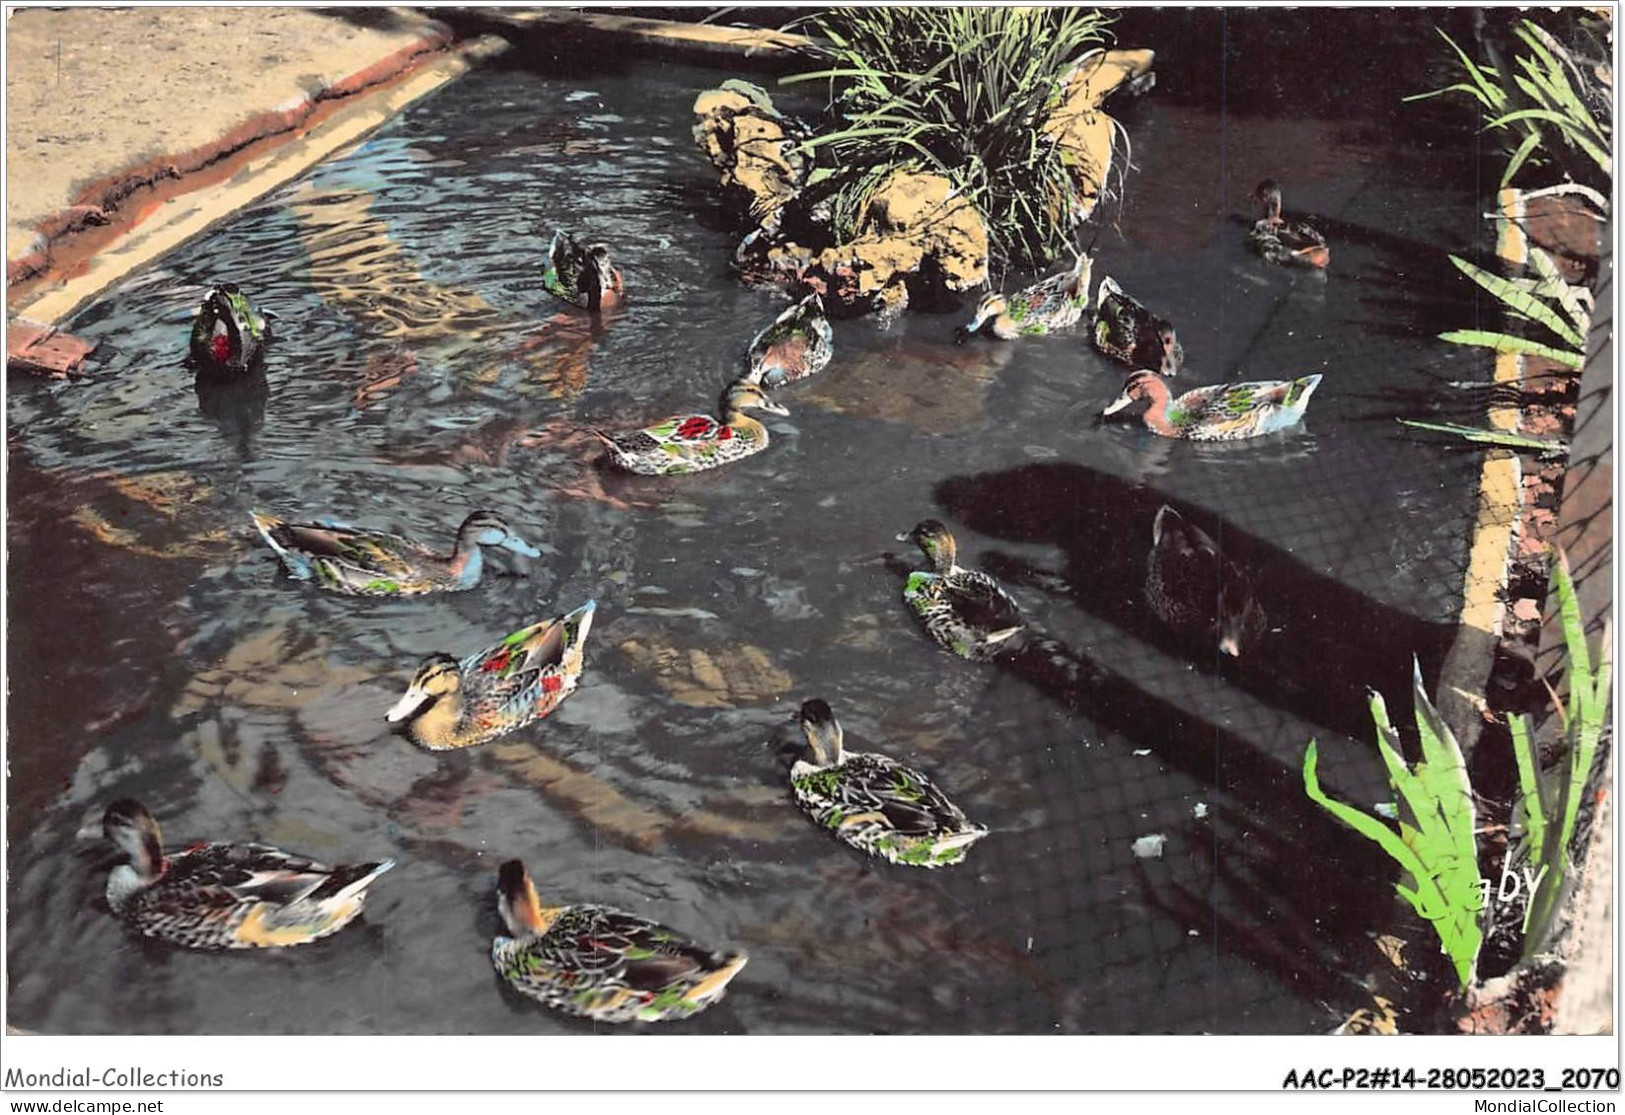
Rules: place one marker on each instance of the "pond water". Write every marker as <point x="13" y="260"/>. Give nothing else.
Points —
<point x="420" y="371"/>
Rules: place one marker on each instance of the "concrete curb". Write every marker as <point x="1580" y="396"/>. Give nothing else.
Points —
<point x="114" y="203"/>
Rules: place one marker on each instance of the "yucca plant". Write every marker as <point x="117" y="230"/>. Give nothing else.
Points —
<point x="1547" y="107"/>
<point x="1550" y="800"/>
<point x="963" y="92"/>
<point x="1542" y="299"/>
<point x="1434" y="847"/>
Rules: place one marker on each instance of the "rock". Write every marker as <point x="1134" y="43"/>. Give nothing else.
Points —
<point x="1079" y="126"/>
<point x="913" y="229"/>
<point x="750" y="144"/>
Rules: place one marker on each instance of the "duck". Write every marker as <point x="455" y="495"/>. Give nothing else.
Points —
<point x="688" y="443"/>
<point x="228" y="333"/>
<point x="601" y="963"/>
<point x="798" y="344"/>
<point x="1289" y="243"/>
<point x="876" y="804"/>
<point x="1047" y="306"/>
<point x="1131" y="334"/>
<point x="1193" y="588"/>
<point x="581" y="274"/>
<point x="226" y="896"/>
<point x="453" y="704"/>
<point x="964" y="610"/>
<point x="1222" y="412"/>
<point x="355" y="562"/>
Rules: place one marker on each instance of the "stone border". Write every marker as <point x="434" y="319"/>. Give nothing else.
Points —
<point x="703" y="42"/>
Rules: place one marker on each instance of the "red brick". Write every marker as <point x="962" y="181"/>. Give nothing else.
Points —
<point x="44" y="350"/>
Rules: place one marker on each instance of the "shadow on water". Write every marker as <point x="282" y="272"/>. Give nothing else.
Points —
<point x="1326" y="643"/>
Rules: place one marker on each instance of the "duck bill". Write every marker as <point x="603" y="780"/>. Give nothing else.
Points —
<point x="1117" y="404"/>
<point x="405" y="707"/>
<point x="771" y="407"/>
<point x="971" y="328"/>
<point x="519" y="546"/>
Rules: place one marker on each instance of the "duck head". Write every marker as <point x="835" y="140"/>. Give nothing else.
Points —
<point x="487" y="528"/>
<point x="437" y="677"/>
<point x="228" y="330"/>
<point x="1140" y="385"/>
<point x="598" y="276"/>
<point x="742" y="396"/>
<point x="823" y="732"/>
<point x="935" y="541"/>
<point x="1239" y="616"/>
<point x="131" y="828"/>
<point x="992" y="308"/>
<point x="1268" y="195"/>
<point x="520" y="909"/>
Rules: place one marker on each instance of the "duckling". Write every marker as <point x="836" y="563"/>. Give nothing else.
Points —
<point x="688" y="443"/>
<point x="798" y="344"/>
<point x="1131" y="334"/>
<point x="451" y="704"/>
<point x="1047" y="306"/>
<point x="1222" y="412"/>
<point x="581" y="274"/>
<point x="228" y="333"/>
<point x="964" y="610"/>
<point x="227" y="896"/>
<point x="601" y="963"/>
<point x="1194" y="589"/>
<point x="356" y="562"/>
<point x="876" y="804"/>
<point x="1289" y="243"/>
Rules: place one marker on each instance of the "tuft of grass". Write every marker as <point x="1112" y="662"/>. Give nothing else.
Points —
<point x="1545" y="105"/>
<point x="959" y="91"/>
<point x="1434" y="847"/>
<point x="1550" y="800"/>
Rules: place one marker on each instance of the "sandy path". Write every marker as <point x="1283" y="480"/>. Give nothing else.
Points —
<point x="93" y="92"/>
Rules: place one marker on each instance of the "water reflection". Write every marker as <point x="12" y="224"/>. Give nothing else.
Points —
<point x="235" y="403"/>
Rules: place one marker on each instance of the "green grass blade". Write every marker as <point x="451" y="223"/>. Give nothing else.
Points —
<point x="1502" y="342"/>
<point x="1500" y="439"/>
<point x="1519" y="300"/>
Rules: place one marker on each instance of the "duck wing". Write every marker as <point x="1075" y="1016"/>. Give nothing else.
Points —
<point x="364" y="551"/>
<point x="911" y="803"/>
<point x="225" y="875"/>
<point x="979" y="601"/>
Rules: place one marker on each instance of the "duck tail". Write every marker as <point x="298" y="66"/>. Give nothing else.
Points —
<point x="352" y="879"/>
<point x="712" y="985"/>
<point x="964" y="838"/>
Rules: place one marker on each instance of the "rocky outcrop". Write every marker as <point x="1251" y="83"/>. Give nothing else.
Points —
<point x="752" y="146"/>
<point x="913" y="230"/>
<point x="914" y="235"/>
